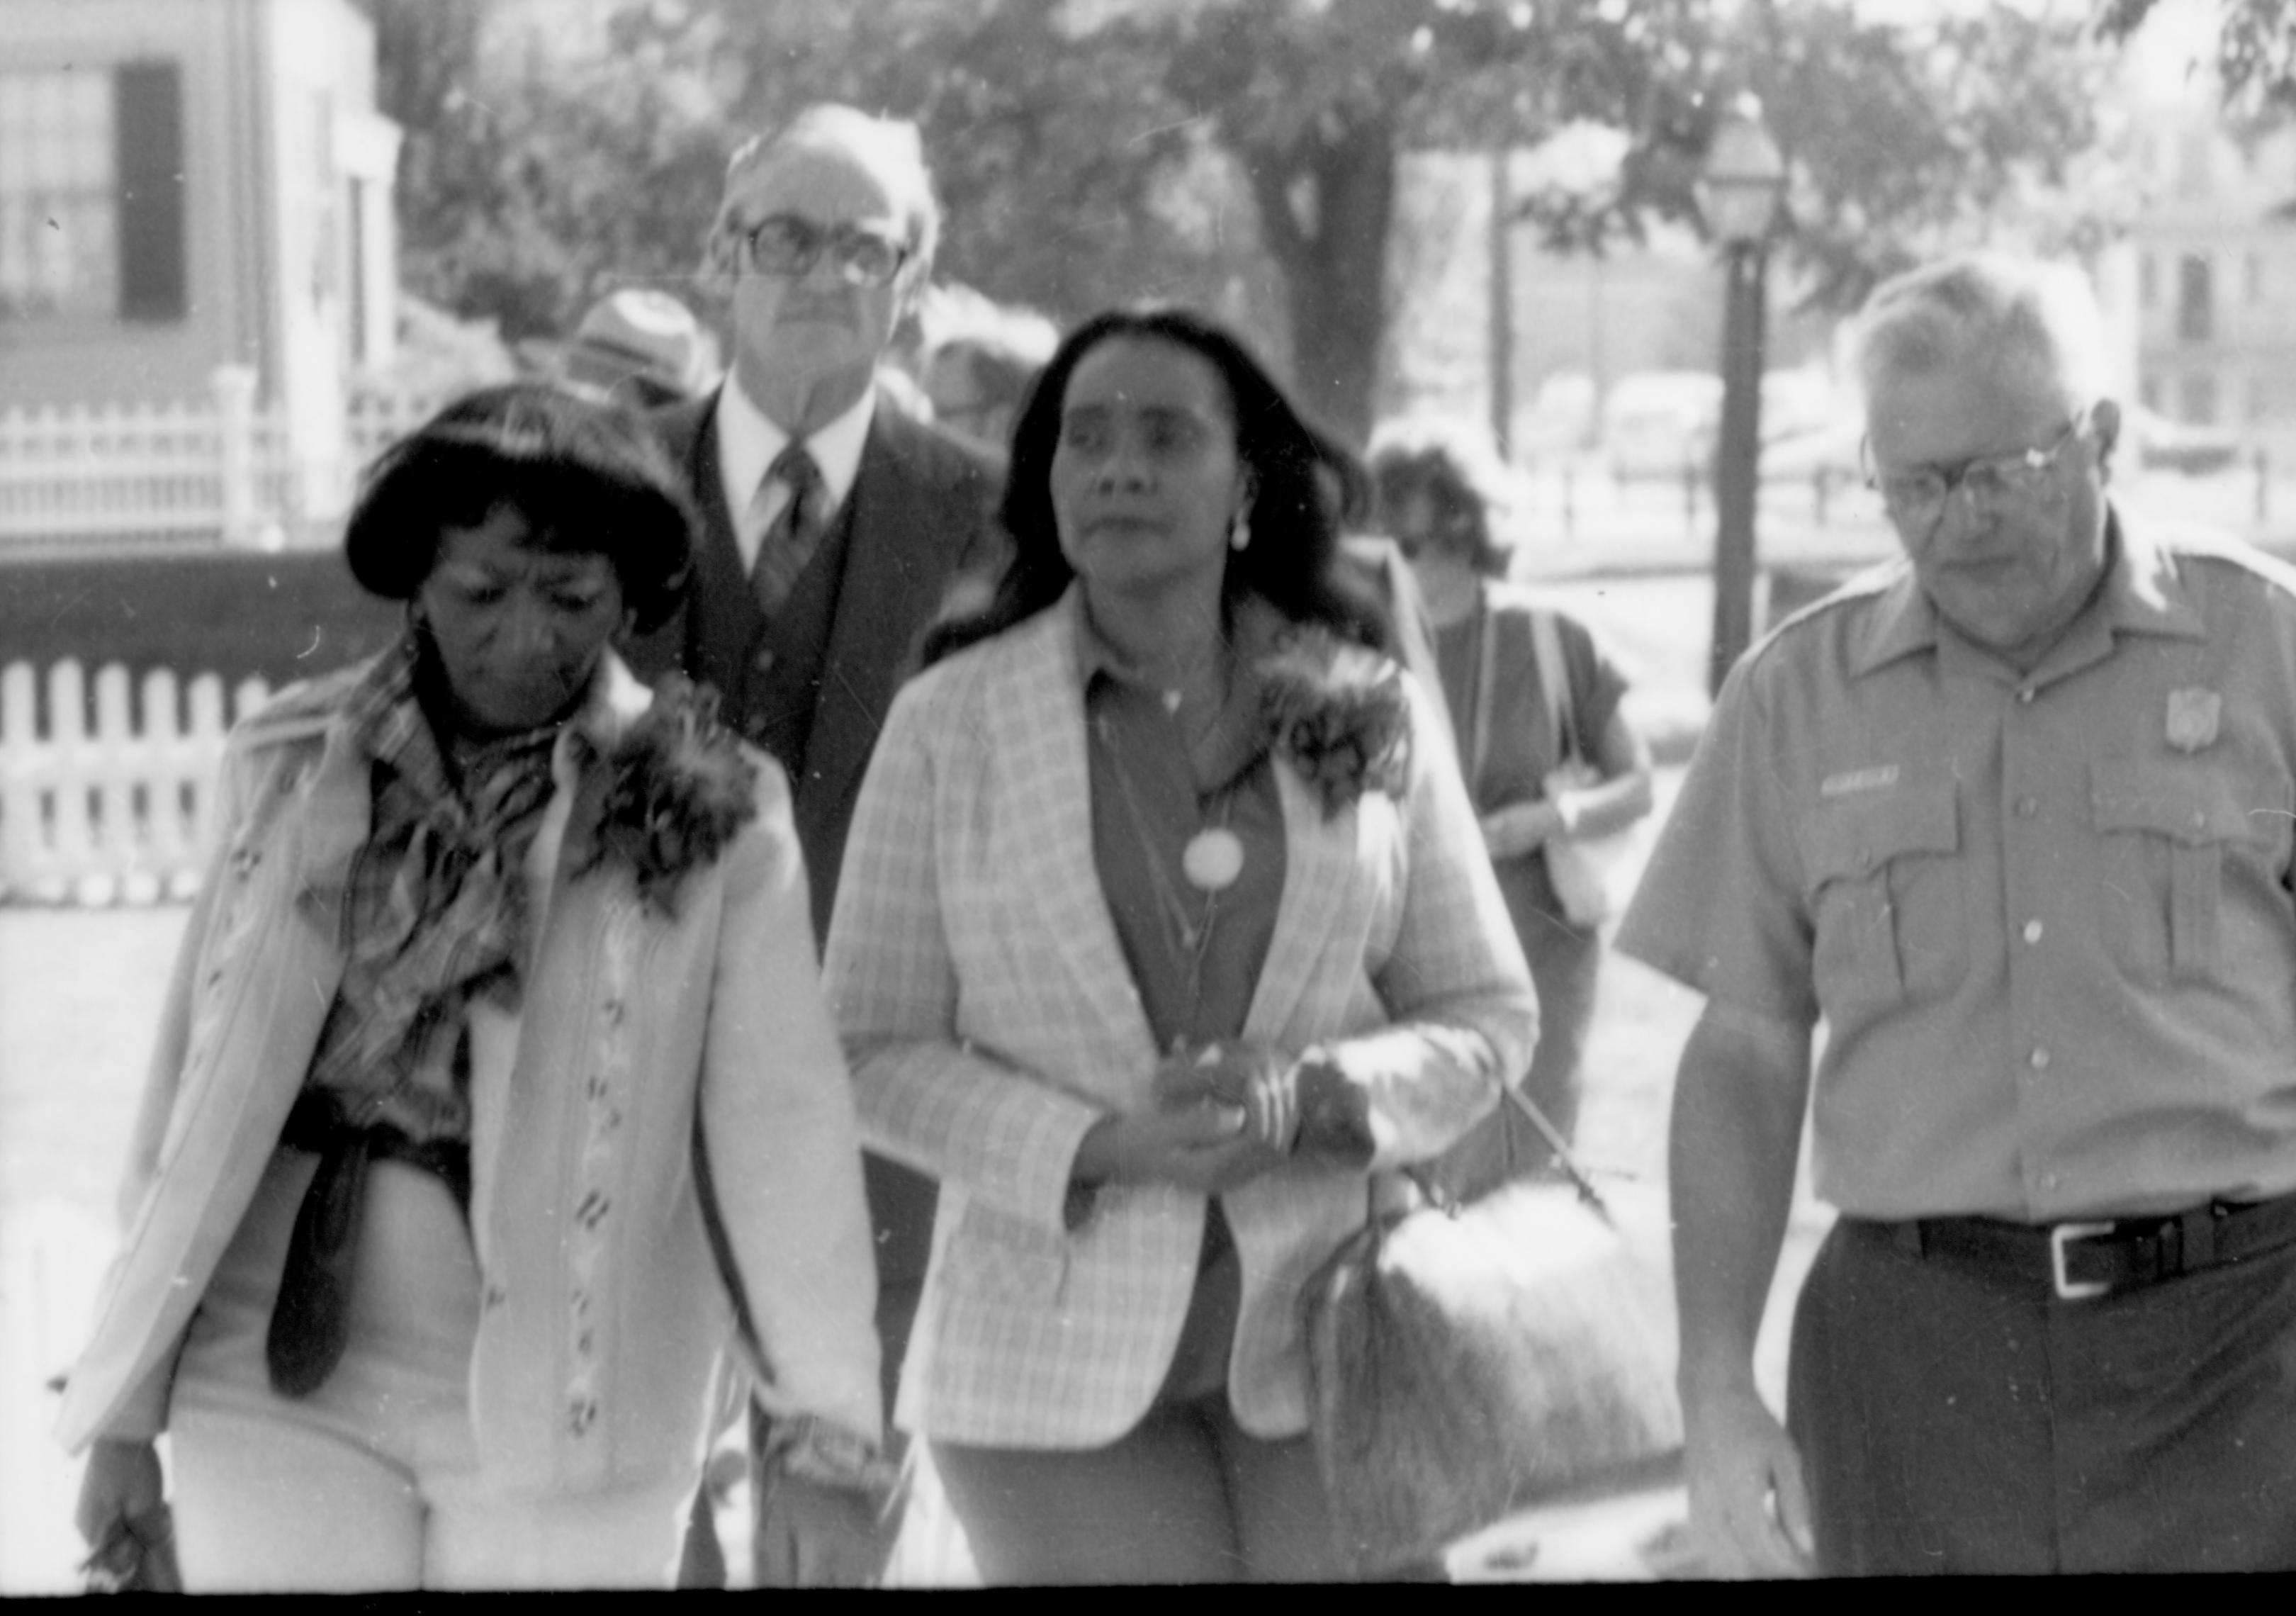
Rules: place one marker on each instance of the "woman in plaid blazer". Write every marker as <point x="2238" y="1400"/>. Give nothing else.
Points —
<point x="1160" y="929"/>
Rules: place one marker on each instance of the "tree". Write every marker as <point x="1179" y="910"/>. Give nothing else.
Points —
<point x="530" y="185"/>
<point x="1093" y="151"/>
<point x="2255" y="50"/>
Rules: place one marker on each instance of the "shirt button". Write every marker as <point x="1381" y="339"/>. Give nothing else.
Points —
<point x="2199" y="819"/>
<point x="2032" y="930"/>
<point x="2027" y="807"/>
<point x="2025" y="695"/>
<point x="2048" y="1181"/>
<point x="2039" y="1059"/>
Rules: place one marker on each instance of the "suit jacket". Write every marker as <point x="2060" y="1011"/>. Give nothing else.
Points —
<point x="922" y="509"/>
<point x="991" y="1020"/>
<point x="624" y="1041"/>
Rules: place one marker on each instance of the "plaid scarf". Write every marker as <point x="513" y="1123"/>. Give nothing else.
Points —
<point x="434" y="911"/>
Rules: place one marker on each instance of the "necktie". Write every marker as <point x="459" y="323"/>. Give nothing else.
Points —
<point x="795" y="533"/>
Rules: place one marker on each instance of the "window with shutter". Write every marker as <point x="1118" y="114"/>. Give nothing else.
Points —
<point x="59" y="221"/>
<point x="92" y="193"/>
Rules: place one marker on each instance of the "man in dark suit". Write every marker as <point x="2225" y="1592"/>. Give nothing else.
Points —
<point x="835" y="520"/>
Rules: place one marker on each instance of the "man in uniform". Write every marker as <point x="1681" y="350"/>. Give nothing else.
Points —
<point x="2013" y="817"/>
<point x="833" y="523"/>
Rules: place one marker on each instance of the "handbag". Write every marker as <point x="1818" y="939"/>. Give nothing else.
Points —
<point x="1465" y="1361"/>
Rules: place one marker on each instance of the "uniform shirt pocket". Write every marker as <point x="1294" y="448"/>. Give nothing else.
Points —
<point x="1886" y="898"/>
<point x="2164" y="834"/>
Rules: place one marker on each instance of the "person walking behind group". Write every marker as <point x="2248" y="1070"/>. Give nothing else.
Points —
<point x="1542" y="767"/>
<point x="977" y="359"/>
<point x="415" y="1278"/>
<point x="1159" y="932"/>
<point x="2013" y="817"/>
<point x="832" y="523"/>
<point x="635" y="347"/>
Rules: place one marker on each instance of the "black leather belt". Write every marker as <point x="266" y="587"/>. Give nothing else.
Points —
<point x="318" y="1122"/>
<point x="310" y="1318"/>
<point x="2083" y="1260"/>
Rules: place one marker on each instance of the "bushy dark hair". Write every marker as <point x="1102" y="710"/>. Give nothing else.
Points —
<point x="588" y="477"/>
<point x="1463" y="521"/>
<point x="1305" y="485"/>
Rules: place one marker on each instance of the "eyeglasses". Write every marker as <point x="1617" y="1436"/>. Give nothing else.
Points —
<point x="1917" y="499"/>
<point x="790" y="245"/>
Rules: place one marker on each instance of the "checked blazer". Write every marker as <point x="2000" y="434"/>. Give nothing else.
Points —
<point x="991" y="1020"/>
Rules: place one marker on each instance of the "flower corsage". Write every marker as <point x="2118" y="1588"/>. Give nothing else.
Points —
<point x="1339" y="714"/>
<point x="678" y="790"/>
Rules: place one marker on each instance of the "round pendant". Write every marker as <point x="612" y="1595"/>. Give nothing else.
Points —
<point x="1212" y="859"/>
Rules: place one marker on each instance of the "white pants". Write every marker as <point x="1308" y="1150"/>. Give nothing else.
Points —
<point x="372" y="1482"/>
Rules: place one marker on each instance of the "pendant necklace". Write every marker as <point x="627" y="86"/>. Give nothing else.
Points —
<point x="1214" y="856"/>
<point x="1210" y="861"/>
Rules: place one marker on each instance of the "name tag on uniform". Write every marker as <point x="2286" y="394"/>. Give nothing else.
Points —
<point x="1858" y="780"/>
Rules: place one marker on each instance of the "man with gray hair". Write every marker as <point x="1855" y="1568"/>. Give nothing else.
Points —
<point x="2012" y="818"/>
<point x="832" y="526"/>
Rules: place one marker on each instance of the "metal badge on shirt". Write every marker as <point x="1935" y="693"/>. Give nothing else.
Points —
<point x="2192" y="716"/>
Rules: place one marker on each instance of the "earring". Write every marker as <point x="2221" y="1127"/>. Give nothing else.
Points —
<point x="1239" y="532"/>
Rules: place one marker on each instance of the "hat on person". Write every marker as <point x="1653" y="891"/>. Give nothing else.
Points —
<point x="639" y="333"/>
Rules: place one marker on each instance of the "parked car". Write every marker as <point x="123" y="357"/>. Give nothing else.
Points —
<point x="1830" y="451"/>
<point x="1799" y="401"/>
<point x="2162" y="445"/>
<point x="1662" y="423"/>
<point x="1559" y="420"/>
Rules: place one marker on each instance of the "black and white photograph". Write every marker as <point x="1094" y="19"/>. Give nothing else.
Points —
<point x="991" y="794"/>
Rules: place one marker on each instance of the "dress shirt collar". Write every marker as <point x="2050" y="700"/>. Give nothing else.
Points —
<point x="747" y="443"/>
<point x="2142" y="595"/>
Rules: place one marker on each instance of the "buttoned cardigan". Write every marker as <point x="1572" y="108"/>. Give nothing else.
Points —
<point x="603" y="1317"/>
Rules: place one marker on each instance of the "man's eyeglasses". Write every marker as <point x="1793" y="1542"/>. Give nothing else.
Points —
<point x="790" y="245"/>
<point x="1917" y="499"/>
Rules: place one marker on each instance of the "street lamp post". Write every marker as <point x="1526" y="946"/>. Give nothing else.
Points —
<point x="1739" y="193"/>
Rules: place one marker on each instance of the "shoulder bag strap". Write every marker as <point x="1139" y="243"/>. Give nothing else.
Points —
<point x="1546" y="646"/>
<point x="1383" y="1196"/>
<point x="1478" y="746"/>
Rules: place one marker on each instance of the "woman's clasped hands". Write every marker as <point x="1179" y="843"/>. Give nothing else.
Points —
<point x="1225" y="1114"/>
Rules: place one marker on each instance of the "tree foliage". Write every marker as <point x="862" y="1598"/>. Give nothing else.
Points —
<point x="1243" y="153"/>
<point x="2255" y="50"/>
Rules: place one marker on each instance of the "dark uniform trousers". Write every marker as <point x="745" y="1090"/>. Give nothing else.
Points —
<point x="1953" y="1418"/>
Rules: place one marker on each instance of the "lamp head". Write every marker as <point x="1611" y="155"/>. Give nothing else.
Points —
<point x="1745" y="175"/>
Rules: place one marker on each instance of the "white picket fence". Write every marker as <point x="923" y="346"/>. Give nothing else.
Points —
<point x="212" y="468"/>
<point x="113" y="812"/>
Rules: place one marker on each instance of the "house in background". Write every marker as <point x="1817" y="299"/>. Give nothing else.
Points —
<point x="2214" y="271"/>
<point x="196" y="216"/>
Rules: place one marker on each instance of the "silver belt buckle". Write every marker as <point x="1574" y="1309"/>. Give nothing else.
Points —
<point x="2066" y="1289"/>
